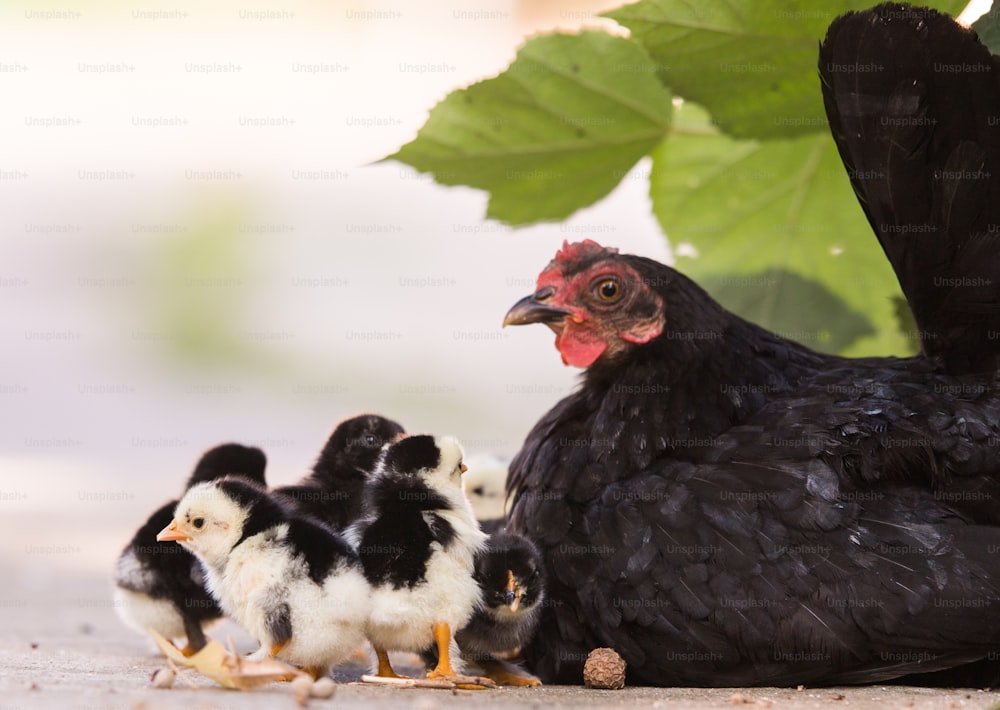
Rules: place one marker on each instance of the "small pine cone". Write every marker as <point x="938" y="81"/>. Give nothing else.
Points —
<point x="604" y="669"/>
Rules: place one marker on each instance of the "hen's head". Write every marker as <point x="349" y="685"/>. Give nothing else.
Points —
<point x="599" y="303"/>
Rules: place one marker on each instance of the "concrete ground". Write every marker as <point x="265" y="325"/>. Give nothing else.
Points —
<point x="63" y="647"/>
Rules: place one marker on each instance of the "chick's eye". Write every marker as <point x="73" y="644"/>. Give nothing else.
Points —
<point x="370" y="440"/>
<point x="609" y="290"/>
<point x="198" y="523"/>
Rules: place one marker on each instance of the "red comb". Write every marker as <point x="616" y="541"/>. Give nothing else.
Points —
<point x="580" y="251"/>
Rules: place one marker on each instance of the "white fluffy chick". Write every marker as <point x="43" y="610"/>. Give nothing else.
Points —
<point x="293" y="584"/>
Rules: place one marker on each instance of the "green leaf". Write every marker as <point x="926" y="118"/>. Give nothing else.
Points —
<point x="749" y="207"/>
<point x="988" y="29"/>
<point x="555" y="132"/>
<point x="792" y="306"/>
<point x="752" y="63"/>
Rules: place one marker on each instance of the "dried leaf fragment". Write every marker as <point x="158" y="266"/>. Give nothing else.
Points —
<point x="229" y="670"/>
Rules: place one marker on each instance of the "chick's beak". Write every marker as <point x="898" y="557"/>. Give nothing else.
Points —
<point x="172" y="532"/>
<point x="534" y="309"/>
<point x="512" y="592"/>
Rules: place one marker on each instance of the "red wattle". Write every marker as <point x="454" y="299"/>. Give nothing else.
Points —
<point x="578" y="347"/>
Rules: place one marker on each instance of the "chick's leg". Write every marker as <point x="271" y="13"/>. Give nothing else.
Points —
<point x="384" y="666"/>
<point x="195" y="636"/>
<point x="442" y="637"/>
<point x="444" y="671"/>
<point x="317" y="672"/>
<point x="504" y="673"/>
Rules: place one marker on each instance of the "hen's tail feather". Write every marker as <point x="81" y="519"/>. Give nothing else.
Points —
<point x="913" y="101"/>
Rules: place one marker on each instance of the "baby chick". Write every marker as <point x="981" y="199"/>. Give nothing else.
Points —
<point x="509" y="573"/>
<point x="333" y="492"/>
<point x="160" y="586"/>
<point x="293" y="584"/>
<point x="417" y="542"/>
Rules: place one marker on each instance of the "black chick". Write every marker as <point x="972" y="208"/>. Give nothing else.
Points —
<point x="510" y="576"/>
<point x="160" y="585"/>
<point x="334" y="491"/>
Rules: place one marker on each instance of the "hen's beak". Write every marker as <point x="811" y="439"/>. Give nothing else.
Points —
<point x="533" y="309"/>
<point x="172" y="532"/>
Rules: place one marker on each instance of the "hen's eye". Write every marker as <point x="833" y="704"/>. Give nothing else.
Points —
<point x="198" y="523"/>
<point x="609" y="290"/>
<point x="370" y="440"/>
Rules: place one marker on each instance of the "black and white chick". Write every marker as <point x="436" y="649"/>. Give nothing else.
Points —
<point x="510" y="575"/>
<point x="159" y="585"/>
<point x="333" y="492"/>
<point x="292" y="583"/>
<point x="418" y="541"/>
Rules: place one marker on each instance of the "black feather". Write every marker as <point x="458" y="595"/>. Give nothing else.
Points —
<point x="394" y="549"/>
<point x="321" y="549"/>
<point x="400" y="527"/>
<point x="413" y="453"/>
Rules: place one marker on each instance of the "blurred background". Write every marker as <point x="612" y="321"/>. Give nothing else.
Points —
<point x="198" y="244"/>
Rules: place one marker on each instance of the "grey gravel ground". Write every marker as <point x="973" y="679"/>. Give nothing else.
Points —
<point x="63" y="647"/>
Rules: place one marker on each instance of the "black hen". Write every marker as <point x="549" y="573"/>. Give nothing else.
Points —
<point x="160" y="585"/>
<point x="333" y="492"/>
<point x="726" y="507"/>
